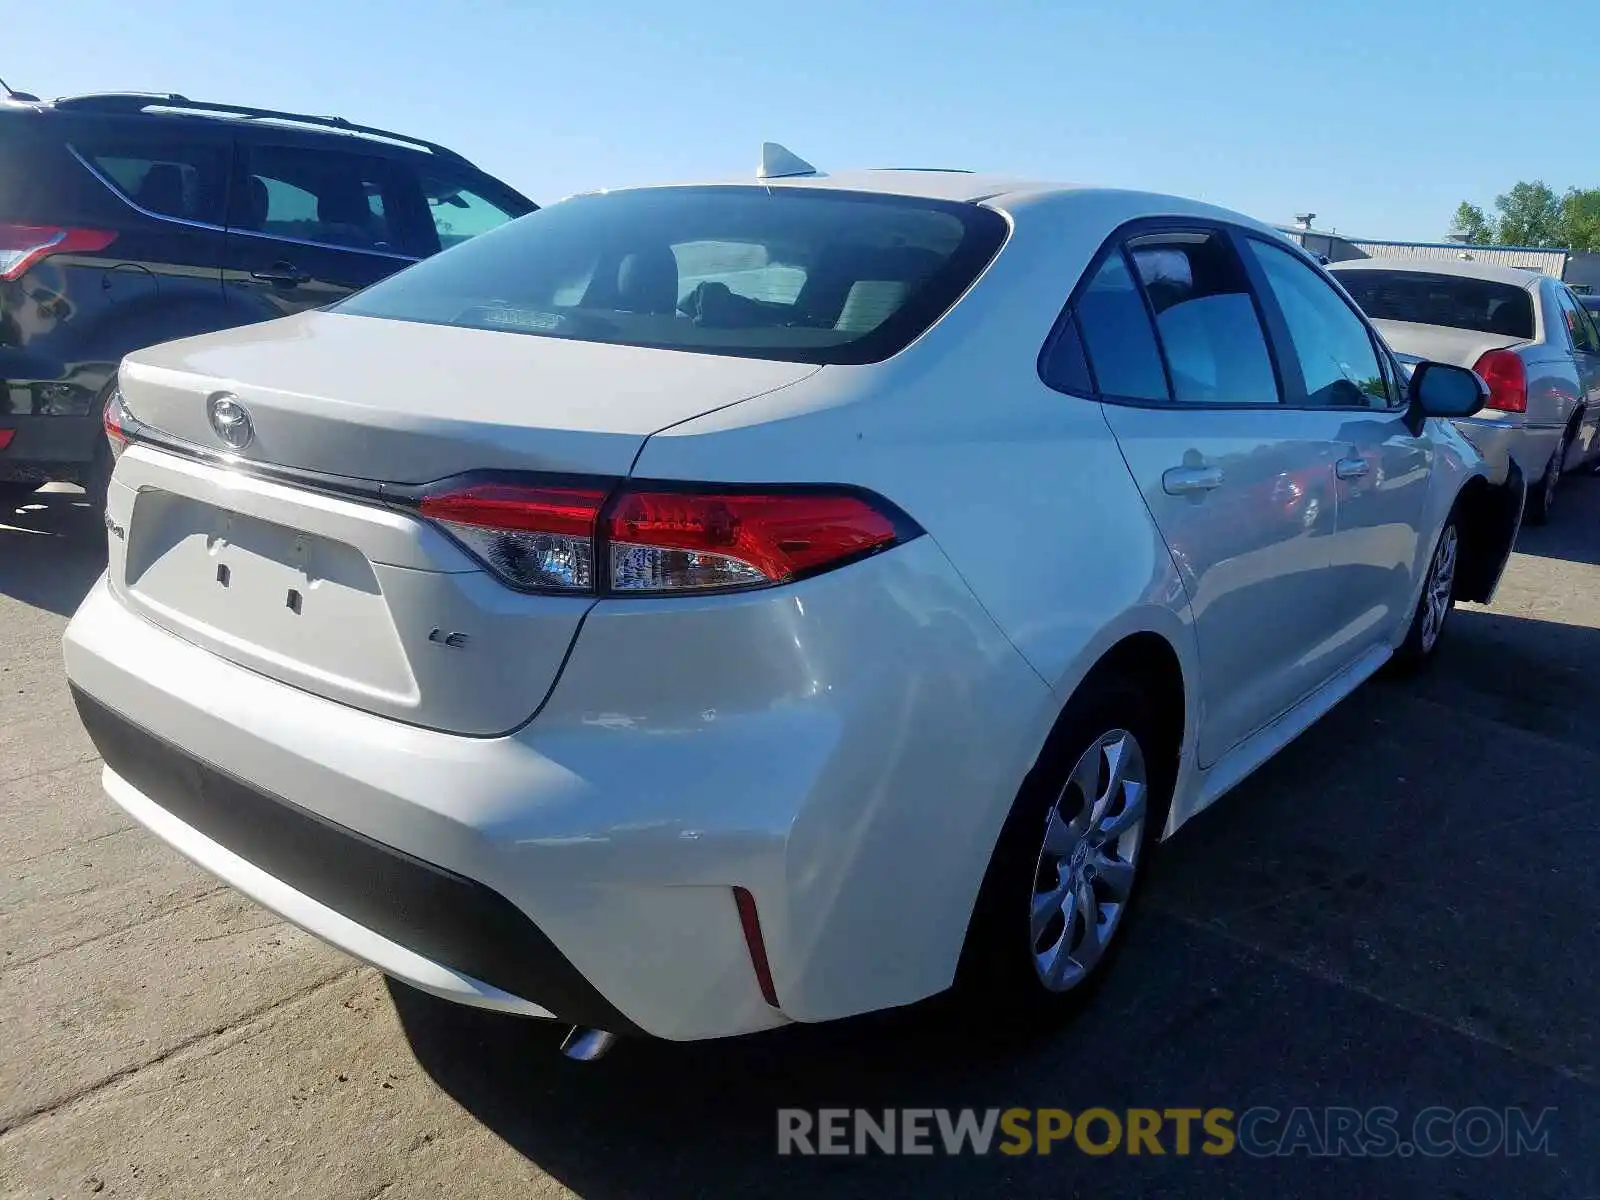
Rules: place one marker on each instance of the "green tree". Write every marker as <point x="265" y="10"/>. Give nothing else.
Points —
<point x="1471" y="225"/>
<point x="1530" y="215"/>
<point x="1580" y="219"/>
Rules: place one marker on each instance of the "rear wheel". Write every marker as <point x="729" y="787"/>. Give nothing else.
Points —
<point x="97" y="480"/>
<point x="1070" y="860"/>
<point x="1436" y="603"/>
<point x="1542" y="499"/>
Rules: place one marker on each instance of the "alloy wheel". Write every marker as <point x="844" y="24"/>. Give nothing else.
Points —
<point x="1552" y="473"/>
<point x="1439" y="590"/>
<point x="1093" y="836"/>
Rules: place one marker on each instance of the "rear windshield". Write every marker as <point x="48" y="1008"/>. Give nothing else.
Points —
<point x="802" y="275"/>
<point x="1452" y="300"/>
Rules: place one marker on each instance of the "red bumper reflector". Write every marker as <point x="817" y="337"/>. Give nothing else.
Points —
<point x="757" y="947"/>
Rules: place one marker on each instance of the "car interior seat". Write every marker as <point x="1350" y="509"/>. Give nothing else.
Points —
<point x="161" y="190"/>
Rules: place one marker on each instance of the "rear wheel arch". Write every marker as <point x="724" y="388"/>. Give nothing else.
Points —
<point x="1136" y="687"/>
<point x="1150" y="662"/>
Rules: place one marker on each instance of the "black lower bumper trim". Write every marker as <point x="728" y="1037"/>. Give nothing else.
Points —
<point x="453" y="920"/>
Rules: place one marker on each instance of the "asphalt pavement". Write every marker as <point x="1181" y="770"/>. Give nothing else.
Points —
<point x="1400" y="910"/>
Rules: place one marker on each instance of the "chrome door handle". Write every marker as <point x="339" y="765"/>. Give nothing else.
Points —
<point x="1351" y="468"/>
<point x="1186" y="481"/>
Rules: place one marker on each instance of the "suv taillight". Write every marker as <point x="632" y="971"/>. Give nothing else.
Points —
<point x="24" y="246"/>
<point x="1507" y="378"/>
<point x="641" y="540"/>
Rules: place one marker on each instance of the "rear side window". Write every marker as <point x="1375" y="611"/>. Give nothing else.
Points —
<point x="803" y="275"/>
<point x="1206" y="319"/>
<point x="1577" y="321"/>
<point x="170" y="176"/>
<point x="1455" y="301"/>
<point x="1117" y="336"/>
<point x="331" y="197"/>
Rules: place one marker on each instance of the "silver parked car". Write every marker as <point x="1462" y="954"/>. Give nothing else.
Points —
<point x="1530" y="338"/>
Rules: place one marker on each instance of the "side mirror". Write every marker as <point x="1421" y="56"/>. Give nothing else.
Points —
<point x="1441" y="390"/>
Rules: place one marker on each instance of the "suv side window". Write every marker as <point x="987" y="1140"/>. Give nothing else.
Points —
<point x="461" y="206"/>
<point x="327" y="197"/>
<point x="1206" y="319"/>
<point x="171" y="176"/>
<point x="1332" y="344"/>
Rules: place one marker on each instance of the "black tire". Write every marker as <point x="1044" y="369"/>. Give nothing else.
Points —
<point x="998" y="975"/>
<point x="1542" y="498"/>
<point x="1434" y="607"/>
<point x="97" y="480"/>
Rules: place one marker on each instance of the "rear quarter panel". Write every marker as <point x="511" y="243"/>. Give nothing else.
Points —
<point x="1024" y="492"/>
<point x="1022" y="487"/>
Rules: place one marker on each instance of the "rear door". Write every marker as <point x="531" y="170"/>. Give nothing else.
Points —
<point x="1237" y="477"/>
<point x="308" y="225"/>
<point x="1585" y="338"/>
<point x="1381" y="473"/>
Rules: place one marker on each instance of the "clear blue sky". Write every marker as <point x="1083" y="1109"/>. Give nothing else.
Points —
<point x="1380" y="117"/>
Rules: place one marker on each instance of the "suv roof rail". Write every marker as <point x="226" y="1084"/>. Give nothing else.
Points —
<point x="136" y="102"/>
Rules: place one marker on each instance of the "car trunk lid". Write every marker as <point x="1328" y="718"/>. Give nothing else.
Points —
<point x="336" y="590"/>
<point x="1442" y="343"/>
<point x="406" y="402"/>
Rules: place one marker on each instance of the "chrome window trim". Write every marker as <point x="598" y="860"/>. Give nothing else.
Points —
<point x="126" y="199"/>
<point x="212" y="228"/>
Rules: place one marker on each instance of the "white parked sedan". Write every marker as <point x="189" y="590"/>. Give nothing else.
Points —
<point x="690" y="610"/>
<point x="1529" y="337"/>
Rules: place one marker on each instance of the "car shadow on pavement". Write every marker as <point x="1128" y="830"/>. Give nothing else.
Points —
<point x="51" y="549"/>
<point x="1574" y="529"/>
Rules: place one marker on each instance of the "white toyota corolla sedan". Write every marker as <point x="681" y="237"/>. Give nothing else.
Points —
<point x="689" y="610"/>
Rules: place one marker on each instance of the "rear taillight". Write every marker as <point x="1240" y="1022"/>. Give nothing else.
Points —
<point x="1507" y="378"/>
<point x="24" y="246"/>
<point x="5" y="437"/>
<point x="662" y="540"/>
<point x="121" y="427"/>
<point x="536" y="538"/>
<point x="687" y="541"/>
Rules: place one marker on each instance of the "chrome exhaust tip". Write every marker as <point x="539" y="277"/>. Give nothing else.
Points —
<point x="587" y="1045"/>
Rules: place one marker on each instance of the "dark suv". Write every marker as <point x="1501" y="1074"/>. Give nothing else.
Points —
<point x="130" y="219"/>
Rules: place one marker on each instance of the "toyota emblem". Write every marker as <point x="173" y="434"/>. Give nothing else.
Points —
<point x="230" y="421"/>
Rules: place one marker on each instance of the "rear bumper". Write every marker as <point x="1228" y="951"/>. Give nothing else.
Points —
<point x="845" y="750"/>
<point x="1502" y="439"/>
<point x="48" y="449"/>
<point x="436" y="929"/>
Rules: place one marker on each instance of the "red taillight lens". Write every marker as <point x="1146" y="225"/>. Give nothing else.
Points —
<point x="23" y="246"/>
<point x="534" y="538"/>
<point x="687" y="541"/>
<point x="539" y="538"/>
<point x="1507" y="378"/>
<point x="5" y="437"/>
<point x="119" y="424"/>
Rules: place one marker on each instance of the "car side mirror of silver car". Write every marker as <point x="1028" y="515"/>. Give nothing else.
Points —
<point x="1442" y="390"/>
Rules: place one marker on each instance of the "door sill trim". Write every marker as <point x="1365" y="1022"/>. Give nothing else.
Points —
<point x="1234" y="767"/>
